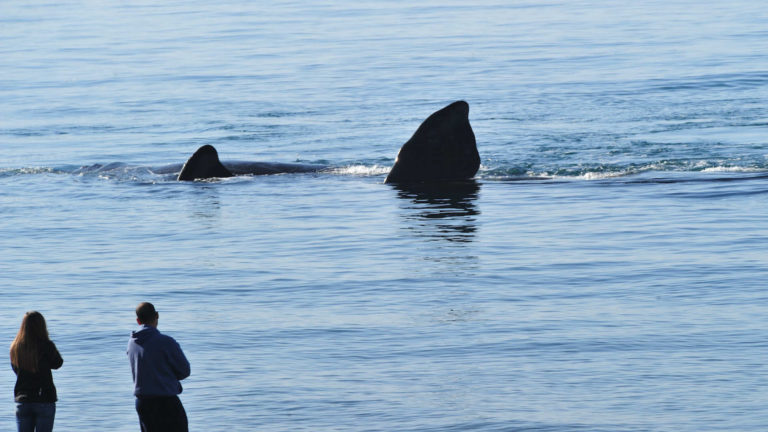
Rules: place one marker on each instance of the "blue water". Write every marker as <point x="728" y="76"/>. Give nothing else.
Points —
<point x="625" y="293"/>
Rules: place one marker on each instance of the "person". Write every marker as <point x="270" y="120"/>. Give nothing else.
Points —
<point x="157" y="364"/>
<point x="33" y="355"/>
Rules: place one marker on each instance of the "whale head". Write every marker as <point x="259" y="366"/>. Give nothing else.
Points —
<point x="443" y="148"/>
<point x="203" y="164"/>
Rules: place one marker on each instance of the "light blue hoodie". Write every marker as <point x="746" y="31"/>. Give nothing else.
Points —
<point x="157" y="363"/>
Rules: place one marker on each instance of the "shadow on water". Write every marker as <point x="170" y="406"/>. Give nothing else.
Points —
<point x="444" y="211"/>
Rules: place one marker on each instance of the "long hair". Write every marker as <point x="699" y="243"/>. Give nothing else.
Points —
<point x="30" y="340"/>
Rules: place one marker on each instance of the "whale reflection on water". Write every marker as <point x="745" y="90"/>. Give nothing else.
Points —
<point x="444" y="210"/>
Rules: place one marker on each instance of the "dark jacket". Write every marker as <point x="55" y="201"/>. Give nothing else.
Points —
<point x="38" y="386"/>
<point x="157" y="363"/>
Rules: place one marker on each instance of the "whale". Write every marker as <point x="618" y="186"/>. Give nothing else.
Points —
<point x="205" y="164"/>
<point x="443" y="148"/>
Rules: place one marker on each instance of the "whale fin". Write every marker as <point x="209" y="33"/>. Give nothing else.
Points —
<point x="443" y="148"/>
<point x="203" y="164"/>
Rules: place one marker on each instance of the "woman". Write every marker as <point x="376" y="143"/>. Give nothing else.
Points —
<point x="33" y="355"/>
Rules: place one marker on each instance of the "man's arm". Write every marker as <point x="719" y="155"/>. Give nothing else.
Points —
<point x="178" y="360"/>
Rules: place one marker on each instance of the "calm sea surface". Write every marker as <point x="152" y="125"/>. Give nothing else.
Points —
<point x="626" y="293"/>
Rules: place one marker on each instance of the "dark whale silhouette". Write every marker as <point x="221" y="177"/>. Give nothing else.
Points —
<point x="443" y="148"/>
<point x="205" y="164"/>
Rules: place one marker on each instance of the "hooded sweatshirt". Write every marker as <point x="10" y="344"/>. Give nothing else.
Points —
<point x="157" y="363"/>
<point x="38" y="386"/>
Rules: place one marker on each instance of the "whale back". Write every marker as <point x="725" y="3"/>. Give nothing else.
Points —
<point x="203" y="164"/>
<point x="443" y="148"/>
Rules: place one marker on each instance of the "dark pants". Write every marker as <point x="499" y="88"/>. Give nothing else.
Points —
<point x="161" y="414"/>
<point x="35" y="416"/>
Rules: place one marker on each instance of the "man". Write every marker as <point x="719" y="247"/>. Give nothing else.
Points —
<point x="158" y="364"/>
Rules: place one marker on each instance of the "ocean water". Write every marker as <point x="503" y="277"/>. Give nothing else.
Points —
<point x="626" y="292"/>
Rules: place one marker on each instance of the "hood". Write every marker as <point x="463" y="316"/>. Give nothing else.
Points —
<point x="143" y="334"/>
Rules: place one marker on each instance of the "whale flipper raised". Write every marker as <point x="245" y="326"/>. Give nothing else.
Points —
<point x="443" y="148"/>
<point x="203" y="164"/>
